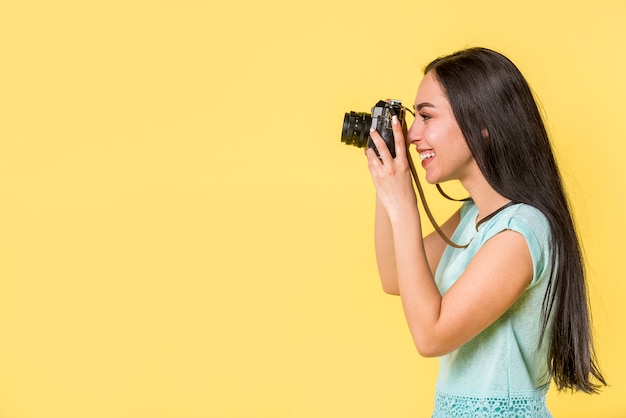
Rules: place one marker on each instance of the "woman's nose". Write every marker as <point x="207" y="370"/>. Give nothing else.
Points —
<point x="415" y="132"/>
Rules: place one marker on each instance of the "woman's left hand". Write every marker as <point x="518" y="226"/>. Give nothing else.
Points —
<point x="392" y="176"/>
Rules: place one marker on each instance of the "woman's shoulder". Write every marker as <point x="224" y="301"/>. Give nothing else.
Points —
<point x="529" y="216"/>
<point x="533" y="225"/>
<point x="520" y="217"/>
<point x="523" y="218"/>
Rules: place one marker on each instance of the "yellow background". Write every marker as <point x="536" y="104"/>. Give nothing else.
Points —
<point x="182" y="234"/>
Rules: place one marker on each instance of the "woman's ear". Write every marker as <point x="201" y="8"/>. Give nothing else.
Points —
<point x="485" y="133"/>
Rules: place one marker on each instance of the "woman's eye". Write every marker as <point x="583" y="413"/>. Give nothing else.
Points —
<point x="424" y="117"/>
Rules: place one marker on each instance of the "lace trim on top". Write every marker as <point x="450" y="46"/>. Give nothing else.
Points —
<point x="530" y="406"/>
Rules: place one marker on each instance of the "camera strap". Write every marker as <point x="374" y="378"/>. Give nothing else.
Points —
<point x="444" y="194"/>
<point x="427" y="209"/>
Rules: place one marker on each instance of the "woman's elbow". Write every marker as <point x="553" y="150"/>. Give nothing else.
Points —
<point x="430" y="348"/>
<point x="390" y="287"/>
<point x="430" y="341"/>
<point x="427" y="351"/>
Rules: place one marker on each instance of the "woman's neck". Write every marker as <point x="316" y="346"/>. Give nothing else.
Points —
<point x="487" y="200"/>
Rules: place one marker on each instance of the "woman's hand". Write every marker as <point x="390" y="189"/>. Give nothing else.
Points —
<point x="392" y="176"/>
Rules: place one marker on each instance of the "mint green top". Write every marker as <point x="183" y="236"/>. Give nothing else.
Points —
<point x="500" y="372"/>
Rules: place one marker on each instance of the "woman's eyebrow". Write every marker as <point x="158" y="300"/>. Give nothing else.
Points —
<point x="423" y="105"/>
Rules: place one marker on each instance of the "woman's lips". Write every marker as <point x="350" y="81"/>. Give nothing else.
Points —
<point x="426" y="156"/>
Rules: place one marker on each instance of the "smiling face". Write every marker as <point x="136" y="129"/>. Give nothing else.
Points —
<point x="437" y="137"/>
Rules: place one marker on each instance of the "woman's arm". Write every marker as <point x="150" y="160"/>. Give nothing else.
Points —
<point x="495" y="278"/>
<point x="492" y="282"/>
<point x="385" y="251"/>
<point x="434" y="246"/>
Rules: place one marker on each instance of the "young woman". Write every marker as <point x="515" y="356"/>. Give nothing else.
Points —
<point x="508" y="312"/>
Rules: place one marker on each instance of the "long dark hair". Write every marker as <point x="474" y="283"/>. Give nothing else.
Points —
<point x="503" y="127"/>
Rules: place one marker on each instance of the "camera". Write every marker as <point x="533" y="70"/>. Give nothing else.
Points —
<point x="357" y="125"/>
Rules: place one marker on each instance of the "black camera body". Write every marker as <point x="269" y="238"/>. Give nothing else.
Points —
<point x="356" y="126"/>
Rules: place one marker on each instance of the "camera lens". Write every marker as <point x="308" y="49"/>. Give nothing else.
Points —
<point x="356" y="129"/>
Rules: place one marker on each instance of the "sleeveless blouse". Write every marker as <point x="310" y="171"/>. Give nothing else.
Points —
<point x="503" y="371"/>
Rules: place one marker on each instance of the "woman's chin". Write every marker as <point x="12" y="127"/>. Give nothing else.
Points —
<point x="432" y="179"/>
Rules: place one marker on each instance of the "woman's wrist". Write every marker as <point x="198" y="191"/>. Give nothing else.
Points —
<point x="404" y="215"/>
